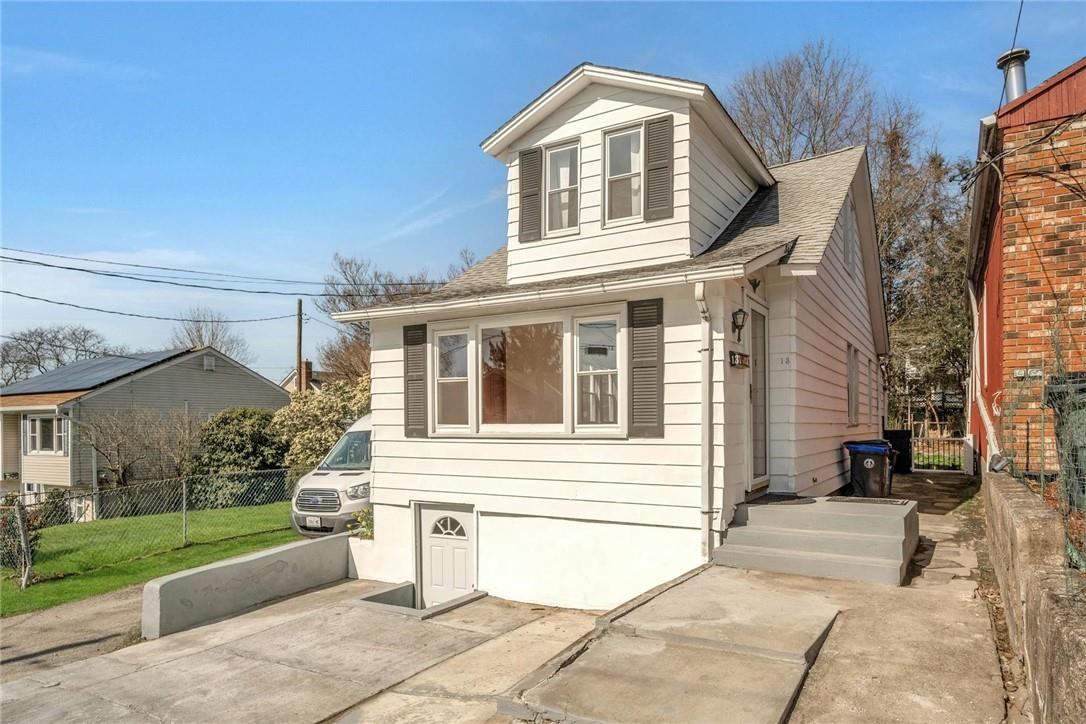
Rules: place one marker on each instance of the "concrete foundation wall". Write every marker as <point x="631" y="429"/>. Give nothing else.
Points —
<point x="390" y="556"/>
<point x="576" y="563"/>
<point x="1047" y="629"/>
<point x="197" y="596"/>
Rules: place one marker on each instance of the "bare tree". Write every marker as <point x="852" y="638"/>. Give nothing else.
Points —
<point x="356" y="283"/>
<point x="812" y="101"/>
<point x="141" y="443"/>
<point x="39" y="349"/>
<point x="205" y="327"/>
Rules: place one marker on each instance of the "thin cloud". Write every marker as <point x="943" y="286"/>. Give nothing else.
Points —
<point x="16" y="61"/>
<point x="432" y="218"/>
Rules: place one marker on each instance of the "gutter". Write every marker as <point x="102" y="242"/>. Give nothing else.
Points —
<point x="730" y="271"/>
<point x="706" y="421"/>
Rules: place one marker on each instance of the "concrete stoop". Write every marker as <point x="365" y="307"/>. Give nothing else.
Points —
<point x="853" y="539"/>
<point x="715" y="642"/>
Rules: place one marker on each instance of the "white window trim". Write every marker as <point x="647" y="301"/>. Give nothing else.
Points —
<point x="602" y="427"/>
<point x="435" y="351"/>
<point x="608" y="222"/>
<point x="567" y="428"/>
<point x="32" y="431"/>
<point x="576" y="188"/>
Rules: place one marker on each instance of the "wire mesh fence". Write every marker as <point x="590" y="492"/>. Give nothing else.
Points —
<point x="938" y="453"/>
<point x="71" y="533"/>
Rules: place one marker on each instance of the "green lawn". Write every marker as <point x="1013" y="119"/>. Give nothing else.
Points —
<point x="78" y="560"/>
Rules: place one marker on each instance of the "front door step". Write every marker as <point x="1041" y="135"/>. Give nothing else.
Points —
<point x="852" y="539"/>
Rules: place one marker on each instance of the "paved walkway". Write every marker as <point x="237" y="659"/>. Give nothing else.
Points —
<point x="305" y="659"/>
<point x="42" y="640"/>
<point x="922" y="653"/>
<point x="734" y="643"/>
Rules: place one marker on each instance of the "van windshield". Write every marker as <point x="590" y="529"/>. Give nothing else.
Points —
<point x="352" y="452"/>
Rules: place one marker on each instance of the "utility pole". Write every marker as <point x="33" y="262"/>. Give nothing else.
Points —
<point x="298" y="365"/>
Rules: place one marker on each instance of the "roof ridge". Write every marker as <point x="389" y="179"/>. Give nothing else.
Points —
<point x="820" y="155"/>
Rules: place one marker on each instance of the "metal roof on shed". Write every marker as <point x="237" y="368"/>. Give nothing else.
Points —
<point x="90" y="373"/>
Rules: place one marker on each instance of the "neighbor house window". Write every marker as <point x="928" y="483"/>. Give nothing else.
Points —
<point x="853" y="364"/>
<point x="623" y="157"/>
<point x="452" y="379"/>
<point x="562" y="189"/>
<point x="45" y="435"/>
<point x="521" y="374"/>
<point x="597" y="372"/>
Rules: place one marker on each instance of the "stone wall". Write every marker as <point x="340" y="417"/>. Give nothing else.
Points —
<point x="1047" y="629"/>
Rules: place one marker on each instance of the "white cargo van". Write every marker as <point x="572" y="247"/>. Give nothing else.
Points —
<point x="326" y="499"/>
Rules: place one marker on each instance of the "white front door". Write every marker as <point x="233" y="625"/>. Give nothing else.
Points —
<point x="447" y="548"/>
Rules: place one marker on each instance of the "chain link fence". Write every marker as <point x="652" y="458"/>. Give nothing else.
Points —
<point x="67" y="533"/>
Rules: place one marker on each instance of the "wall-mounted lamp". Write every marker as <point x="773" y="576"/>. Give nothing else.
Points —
<point x="739" y="320"/>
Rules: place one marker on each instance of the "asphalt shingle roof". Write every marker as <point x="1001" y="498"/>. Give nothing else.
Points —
<point x="90" y="373"/>
<point x="800" y="209"/>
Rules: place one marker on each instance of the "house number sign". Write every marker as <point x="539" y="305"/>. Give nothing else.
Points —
<point x="738" y="359"/>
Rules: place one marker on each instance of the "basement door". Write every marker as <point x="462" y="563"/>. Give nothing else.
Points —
<point x="447" y="547"/>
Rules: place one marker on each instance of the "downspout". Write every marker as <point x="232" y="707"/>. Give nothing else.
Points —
<point x="706" y="421"/>
<point x="994" y="450"/>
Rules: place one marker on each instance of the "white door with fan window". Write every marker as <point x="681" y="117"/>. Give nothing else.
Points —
<point x="447" y="552"/>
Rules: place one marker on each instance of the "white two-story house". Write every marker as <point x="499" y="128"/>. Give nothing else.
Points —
<point x="671" y="328"/>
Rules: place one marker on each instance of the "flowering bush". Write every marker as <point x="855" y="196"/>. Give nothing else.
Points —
<point x="313" y="421"/>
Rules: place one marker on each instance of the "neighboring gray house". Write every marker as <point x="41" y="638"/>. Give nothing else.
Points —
<point x="39" y="447"/>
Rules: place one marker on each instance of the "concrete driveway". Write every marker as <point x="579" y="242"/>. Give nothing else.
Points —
<point x="307" y="659"/>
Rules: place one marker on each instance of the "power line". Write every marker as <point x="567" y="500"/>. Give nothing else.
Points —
<point x="311" y="318"/>
<point x="144" y="316"/>
<point x="120" y="275"/>
<point x="271" y="280"/>
<point x="1014" y="39"/>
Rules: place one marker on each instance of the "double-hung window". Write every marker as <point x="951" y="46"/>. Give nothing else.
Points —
<point x="597" y="372"/>
<point x="624" y="161"/>
<point x="452" y="379"/>
<point x="45" y="434"/>
<point x="562" y="188"/>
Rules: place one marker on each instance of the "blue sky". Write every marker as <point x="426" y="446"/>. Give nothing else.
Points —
<point x="261" y="138"/>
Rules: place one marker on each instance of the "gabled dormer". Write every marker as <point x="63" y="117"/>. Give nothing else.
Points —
<point x="613" y="169"/>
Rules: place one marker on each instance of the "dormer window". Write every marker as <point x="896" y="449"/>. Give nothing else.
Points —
<point x="562" y="189"/>
<point x="624" y="174"/>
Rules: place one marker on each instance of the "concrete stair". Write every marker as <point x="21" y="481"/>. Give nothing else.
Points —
<point x="848" y="538"/>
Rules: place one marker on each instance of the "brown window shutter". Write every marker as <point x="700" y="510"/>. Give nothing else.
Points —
<point x="414" y="381"/>
<point x="646" y="320"/>
<point x="659" y="168"/>
<point x="531" y="195"/>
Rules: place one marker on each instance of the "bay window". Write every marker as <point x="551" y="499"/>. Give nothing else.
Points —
<point x="45" y="434"/>
<point x="452" y="379"/>
<point x="562" y="188"/>
<point x="623" y="160"/>
<point x="597" y="372"/>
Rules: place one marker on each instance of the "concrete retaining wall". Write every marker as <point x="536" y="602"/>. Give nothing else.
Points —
<point x="199" y="595"/>
<point x="1047" y="630"/>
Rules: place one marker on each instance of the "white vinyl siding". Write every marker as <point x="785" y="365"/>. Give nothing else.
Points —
<point x="719" y="187"/>
<point x="831" y="312"/>
<point x="595" y="248"/>
<point x="649" y="481"/>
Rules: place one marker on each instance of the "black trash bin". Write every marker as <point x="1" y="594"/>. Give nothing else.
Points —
<point x="902" y="443"/>
<point x="870" y="468"/>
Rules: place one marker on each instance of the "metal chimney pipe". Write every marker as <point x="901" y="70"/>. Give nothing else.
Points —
<point x="1013" y="65"/>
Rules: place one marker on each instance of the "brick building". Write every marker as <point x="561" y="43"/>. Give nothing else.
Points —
<point x="1027" y="262"/>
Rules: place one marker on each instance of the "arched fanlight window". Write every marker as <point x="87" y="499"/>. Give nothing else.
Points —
<point x="447" y="526"/>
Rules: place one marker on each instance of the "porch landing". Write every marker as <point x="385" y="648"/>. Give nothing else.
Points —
<point x="856" y="539"/>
